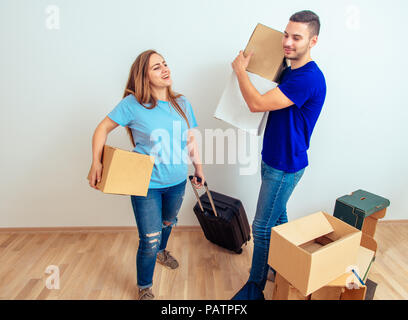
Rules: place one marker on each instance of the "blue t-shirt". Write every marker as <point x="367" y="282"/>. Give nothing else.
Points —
<point x="160" y="132"/>
<point x="288" y="130"/>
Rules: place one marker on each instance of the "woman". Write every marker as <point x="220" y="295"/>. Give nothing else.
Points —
<point x="158" y="122"/>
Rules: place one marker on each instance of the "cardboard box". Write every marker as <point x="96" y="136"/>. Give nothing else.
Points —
<point x="338" y="289"/>
<point x="268" y="60"/>
<point x="361" y="209"/>
<point x="339" y="293"/>
<point x="283" y="290"/>
<point x="125" y="172"/>
<point x="341" y="288"/>
<point x="312" y="251"/>
<point x="365" y="258"/>
<point x="264" y="70"/>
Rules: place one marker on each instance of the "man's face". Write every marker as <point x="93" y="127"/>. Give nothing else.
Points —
<point x="297" y="40"/>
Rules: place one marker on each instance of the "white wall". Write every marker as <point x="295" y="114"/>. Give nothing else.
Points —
<point x="57" y="84"/>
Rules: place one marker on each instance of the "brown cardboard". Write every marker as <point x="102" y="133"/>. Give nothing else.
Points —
<point x="354" y="294"/>
<point x="268" y="59"/>
<point x="363" y="263"/>
<point x="368" y="242"/>
<point x="335" y="290"/>
<point x="339" y="293"/>
<point x="369" y="226"/>
<point x="125" y="172"/>
<point x="327" y="293"/>
<point x="370" y="223"/>
<point x="283" y="290"/>
<point x="306" y="264"/>
<point x="379" y="214"/>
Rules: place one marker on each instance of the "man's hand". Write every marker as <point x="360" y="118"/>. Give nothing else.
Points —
<point x="241" y="62"/>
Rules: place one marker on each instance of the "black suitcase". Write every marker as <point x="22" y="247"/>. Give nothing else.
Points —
<point x="223" y="219"/>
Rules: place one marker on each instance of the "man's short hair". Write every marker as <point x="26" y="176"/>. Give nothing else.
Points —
<point x="309" y="17"/>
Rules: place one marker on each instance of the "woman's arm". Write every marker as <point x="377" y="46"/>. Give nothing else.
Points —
<point x="195" y="158"/>
<point x="98" y="142"/>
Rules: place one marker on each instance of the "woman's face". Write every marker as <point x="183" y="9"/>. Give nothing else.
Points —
<point x="158" y="72"/>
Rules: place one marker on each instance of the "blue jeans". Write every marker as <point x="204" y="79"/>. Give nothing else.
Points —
<point x="276" y="188"/>
<point x="151" y="212"/>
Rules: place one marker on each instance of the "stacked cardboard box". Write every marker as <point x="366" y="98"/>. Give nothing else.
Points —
<point x="345" y="287"/>
<point x="319" y="257"/>
<point x="322" y="257"/>
<point x="314" y="250"/>
<point x="362" y="210"/>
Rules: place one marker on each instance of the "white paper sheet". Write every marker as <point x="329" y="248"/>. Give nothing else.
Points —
<point x="233" y="109"/>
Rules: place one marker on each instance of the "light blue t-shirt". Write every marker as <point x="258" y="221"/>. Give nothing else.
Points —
<point x="160" y="132"/>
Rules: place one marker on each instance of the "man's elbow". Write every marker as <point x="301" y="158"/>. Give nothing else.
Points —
<point x="253" y="107"/>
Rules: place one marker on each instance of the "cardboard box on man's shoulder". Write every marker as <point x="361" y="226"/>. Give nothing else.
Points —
<point x="314" y="250"/>
<point x="125" y="172"/>
<point x="264" y="70"/>
<point x="268" y="60"/>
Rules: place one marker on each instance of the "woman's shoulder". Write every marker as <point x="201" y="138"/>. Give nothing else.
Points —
<point x="182" y="99"/>
<point x="130" y="99"/>
<point x="130" y="102"/>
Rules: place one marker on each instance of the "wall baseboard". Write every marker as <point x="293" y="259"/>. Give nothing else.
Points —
<point x="125" y="228"/>
<point x="404" y="221"/>
<point x="88" y="229"/>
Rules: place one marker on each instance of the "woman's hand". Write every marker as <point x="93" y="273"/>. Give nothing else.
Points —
<point x="196" y="184"/>
<point x="95" y="174"/>
<point x="98" y="141"/>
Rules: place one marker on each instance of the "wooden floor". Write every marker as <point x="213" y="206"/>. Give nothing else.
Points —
<point x="102" y="265"/>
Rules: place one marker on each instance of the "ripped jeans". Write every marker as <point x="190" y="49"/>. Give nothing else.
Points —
<point x="155" y="216"/>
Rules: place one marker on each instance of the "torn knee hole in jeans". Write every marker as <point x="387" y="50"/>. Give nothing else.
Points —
<point x="169" y="223"/>
<point x="151" y="235"/>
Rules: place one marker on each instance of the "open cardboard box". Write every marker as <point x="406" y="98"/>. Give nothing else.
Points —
<point x="312" y="251"/>
<point x="338" y="289"/>
<point x="341" y="288"/>
<point x="125" y="172"/>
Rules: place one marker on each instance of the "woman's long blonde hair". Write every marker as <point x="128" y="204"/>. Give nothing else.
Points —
<point x="138" y="84"/>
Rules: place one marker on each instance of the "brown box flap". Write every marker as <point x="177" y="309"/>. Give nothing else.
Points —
<point x="268" y="58"/>
<point x="299" y="231"/>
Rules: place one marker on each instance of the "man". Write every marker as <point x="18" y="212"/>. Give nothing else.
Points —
<point x="294" y="106"/>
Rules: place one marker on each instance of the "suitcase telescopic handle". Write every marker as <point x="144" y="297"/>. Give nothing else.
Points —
<point x="208" y="193"/>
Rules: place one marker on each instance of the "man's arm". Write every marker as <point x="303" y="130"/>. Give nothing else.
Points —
<point x="272" y="100"/>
